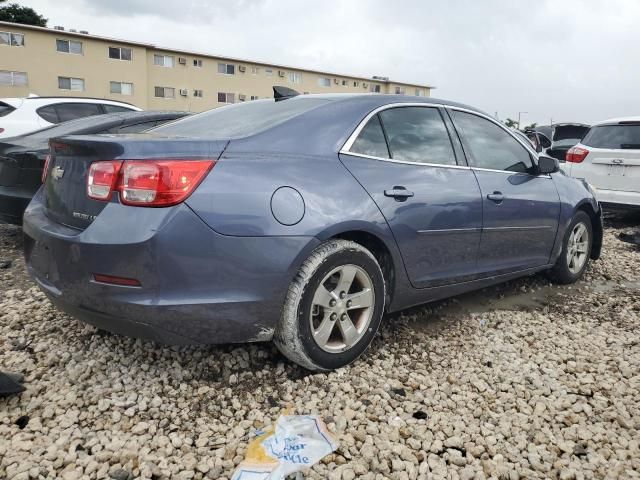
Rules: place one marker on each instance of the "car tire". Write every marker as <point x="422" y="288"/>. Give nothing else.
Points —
<point x="313" y="331"/>
<point x="576" y="251"/>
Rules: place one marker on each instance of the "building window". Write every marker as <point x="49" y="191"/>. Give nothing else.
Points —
<point x="226" y="97"/>
<point x="344" y="83"/>
<point x="255" y="70"/>
<point x="295" y="77"/>
<point x="197" y="93"/>
<point x="12" y="39"/>
<point x="227" y="68"/>
<point x="399" y="90"/>
<point x="120" y="53"/>
<point x="13" y="79"/>
<point x="121" y="88"/>
<point x="165" y="92"/>
<point x="254" y="97"/>
<point x="375" y="88"/>
<point x="163" y="60"/>
<point x="197" y="62"/>
<point x="324" y="82"/>
<point x="268" y="72"/>
<point x="355" y="84"/>
<point x="69" y="46"/>
<point x="70" y="83"/>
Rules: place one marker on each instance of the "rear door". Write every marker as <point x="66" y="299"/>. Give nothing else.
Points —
<point x="613" y="162"/>
<point x="405" y="159"/>
<point x="520" y="208"/>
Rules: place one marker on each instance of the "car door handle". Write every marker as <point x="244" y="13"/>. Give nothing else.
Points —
<point x="497" y="197"/>
<point x="399" y="193"/>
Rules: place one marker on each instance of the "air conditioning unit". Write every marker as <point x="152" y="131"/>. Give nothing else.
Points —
<point x="59" y="27"/>
<point x="73" y="30"/>
<point x="184" y="92"/>
<point x="182" y="60"/>
<point x="242" y="68"/>
<point x="242" y="98"/>
<point x="281" y="73"/>
<point x="86" y="32"/>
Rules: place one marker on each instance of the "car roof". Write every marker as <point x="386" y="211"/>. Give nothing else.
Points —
<point x="17" y="101"/>
<point x="614" y="121"/>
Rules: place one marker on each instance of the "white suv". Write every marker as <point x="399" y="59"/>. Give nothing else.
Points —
<point x="608" y="157"/>
<point x="25" y="115"/>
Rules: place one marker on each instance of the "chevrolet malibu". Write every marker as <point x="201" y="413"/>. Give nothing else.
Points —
<point x="300" y="219"/>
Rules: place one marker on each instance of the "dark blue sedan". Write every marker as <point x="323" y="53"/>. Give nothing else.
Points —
<point x="300" y="220"/>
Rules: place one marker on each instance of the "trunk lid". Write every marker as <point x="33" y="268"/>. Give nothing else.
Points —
<point x="65" y="188"/>
<point x="20" y="163"/>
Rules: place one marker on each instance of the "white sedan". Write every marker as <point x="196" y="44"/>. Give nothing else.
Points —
<point x="608" y="157"/>
<point x="19" y="116"/>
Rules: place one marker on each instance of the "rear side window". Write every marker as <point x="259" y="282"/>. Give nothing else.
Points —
<point x="489" y="146"/>
<point x="371" y="140"/>
<point x="115" y="108"/>
<point x="241" y="119"/>
<point x="5" y="109"/>
<point x="49" y="113"/>
<point x="71" y="111"/>
<point x="614" y="137"/>
<point x="417" y="134"/>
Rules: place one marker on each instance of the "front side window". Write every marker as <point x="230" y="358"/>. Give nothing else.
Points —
<point x="163" y="60"/>
<point x="69" y="46"/>
<point x="120" y="53"/>
<point x="417" y="134"/>
<point x="324" y="82"/>
<point x="226" y="68"/>
<point x="70" y="83"/>
<point x="489" y="146"/>
<point x="165" y="92"/>
<point x="371" y="140"/>
<point x="13" y="79"/>
<point x="121" y="88"/>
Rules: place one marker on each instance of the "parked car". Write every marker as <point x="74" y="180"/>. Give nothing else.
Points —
<point x="19" y="116"/>
<point x="299" y="220"/>
<point x="608" y="157"/>
<point x="563" y="137"/>
<point x="22" y="158"/>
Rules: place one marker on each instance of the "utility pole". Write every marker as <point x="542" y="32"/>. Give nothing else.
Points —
<point x="519" y="114"/>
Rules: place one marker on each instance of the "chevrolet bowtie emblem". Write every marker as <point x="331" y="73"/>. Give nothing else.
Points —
<point x="57" y="173"/>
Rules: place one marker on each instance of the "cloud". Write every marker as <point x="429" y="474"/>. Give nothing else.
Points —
<point x="574" y="60"/>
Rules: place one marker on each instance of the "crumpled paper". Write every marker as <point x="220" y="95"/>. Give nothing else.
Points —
<point x="297" y="442"/>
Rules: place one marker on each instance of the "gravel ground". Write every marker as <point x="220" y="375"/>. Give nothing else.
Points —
<point x="525" y="380"/>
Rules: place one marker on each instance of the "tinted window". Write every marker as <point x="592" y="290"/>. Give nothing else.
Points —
<point x="5" y="109"/>
<point x="490" y="146"/>
<point x="417" y="134"/>
<point x="371" y="140"/>
<point x="241" y="119"/>
<point x="71" y="111"/>
<point x="138" y="127"/>
<point x="80" y="126"/>
<point x="114" y="108"/>
<point x="614" y="136"/>
<point x="49" y="113"/>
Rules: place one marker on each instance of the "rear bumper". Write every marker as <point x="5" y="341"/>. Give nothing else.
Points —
<point x="197" y="286"/>
<point x="13" y="202"/>
<point x="618" y="198"/>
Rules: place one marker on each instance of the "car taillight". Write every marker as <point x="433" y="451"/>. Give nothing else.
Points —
<point x="150" y="183"/>
<point x="1" y="129"/>
<point x="576" y="154"/>
<point x="102" y="179"/>
<point x="47" y="161"/>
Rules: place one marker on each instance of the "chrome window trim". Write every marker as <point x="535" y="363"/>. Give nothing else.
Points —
<point x="346" y="147"/>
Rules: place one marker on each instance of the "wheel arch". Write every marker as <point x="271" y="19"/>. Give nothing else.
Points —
<point x="596" y="225"/>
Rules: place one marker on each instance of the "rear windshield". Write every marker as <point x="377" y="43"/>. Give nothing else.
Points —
<point x="614" y="136"/>
<point x="5" y="109"/>
<point x="240" y="120"/>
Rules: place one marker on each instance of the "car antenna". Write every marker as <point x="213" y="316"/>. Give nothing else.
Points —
<point x="282" y="93"/>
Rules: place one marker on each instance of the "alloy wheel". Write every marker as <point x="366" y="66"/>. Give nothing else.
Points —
<point x="578" y="248"/>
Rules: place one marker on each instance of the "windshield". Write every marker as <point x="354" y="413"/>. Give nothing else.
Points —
<point x="242" y="119"/>
<point x="614" y="136"/>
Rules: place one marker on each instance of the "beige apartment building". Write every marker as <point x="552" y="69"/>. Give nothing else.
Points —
<point x="58" y="62"/>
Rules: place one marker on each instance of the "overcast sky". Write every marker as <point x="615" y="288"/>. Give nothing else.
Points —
<point x="570" y="60"/>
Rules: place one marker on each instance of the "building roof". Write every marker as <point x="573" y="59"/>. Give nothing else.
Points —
<point x="202" y="54"/>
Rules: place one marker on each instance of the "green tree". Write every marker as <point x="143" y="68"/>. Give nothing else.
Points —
<point x="18" y="14"/>
<point x="531" y="127"/>
<point x="510" y="123"/>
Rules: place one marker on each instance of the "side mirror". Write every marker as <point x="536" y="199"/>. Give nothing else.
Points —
<point x="547" y="164"/>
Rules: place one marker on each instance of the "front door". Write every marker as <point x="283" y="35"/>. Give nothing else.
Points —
<point x="521" y="209"/>
<point x="404" y="158"/>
